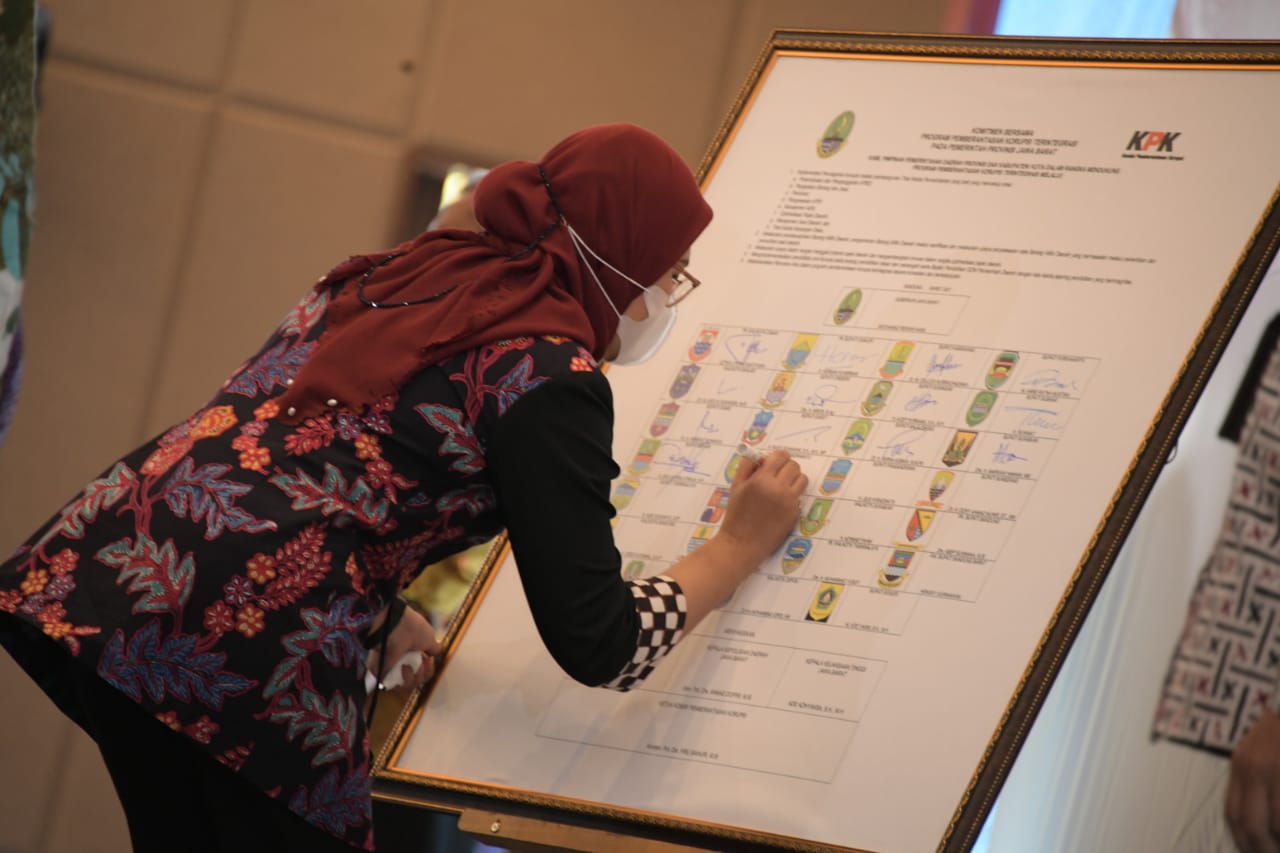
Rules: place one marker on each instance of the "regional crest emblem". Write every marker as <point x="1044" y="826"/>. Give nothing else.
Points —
<point x="836" y="135"/>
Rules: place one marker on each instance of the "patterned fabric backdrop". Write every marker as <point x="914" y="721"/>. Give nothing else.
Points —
<point x="1227" y="664"/>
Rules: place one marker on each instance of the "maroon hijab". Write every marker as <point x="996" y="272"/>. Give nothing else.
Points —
<point x="625" y="191"/>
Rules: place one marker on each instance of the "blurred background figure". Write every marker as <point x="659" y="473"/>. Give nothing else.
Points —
<point x="454" y="210"/>
<point x="22" y="30"/>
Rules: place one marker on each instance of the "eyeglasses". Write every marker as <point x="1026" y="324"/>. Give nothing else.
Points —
<point x="686" y="283"/>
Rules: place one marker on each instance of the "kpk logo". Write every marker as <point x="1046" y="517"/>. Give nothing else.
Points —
<point x="1153" y="145"/>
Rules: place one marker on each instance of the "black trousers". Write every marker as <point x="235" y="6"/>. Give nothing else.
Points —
<point x="175" y="797"/>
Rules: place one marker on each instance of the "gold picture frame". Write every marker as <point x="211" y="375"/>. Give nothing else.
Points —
<point x="1256" y="247"/>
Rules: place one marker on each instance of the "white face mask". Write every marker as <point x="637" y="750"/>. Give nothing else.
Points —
<point x="640" y="339"/>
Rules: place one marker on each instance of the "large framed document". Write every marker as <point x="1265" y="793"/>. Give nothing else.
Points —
<point x="975" y="286"/>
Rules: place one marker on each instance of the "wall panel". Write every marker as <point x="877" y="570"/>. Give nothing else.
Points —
<point x="759" y="18"/>
<point x="116" y="167"/>
<point x="88" y="816"/>
<point x="349" y="62"/>
<point x="283" y="201"/>
<point x="498" y="86"/>
<point x="39" y="746"/>
<point x="182" y="41"/>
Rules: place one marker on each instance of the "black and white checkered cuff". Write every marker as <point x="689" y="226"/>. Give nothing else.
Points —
<point x="662" y="609"/>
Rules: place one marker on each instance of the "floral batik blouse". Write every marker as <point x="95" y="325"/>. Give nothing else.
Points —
<point x="225" y="574"/>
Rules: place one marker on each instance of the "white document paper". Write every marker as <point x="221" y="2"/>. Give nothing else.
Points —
<point x="960" y="308"/>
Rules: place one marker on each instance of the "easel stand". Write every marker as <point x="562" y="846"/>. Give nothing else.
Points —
<point x="530" y="835"/>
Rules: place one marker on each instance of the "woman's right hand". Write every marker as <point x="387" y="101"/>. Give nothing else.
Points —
<point x="764" y="503"/>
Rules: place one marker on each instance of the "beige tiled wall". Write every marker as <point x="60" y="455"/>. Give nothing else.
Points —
<point x="181" y="43"/>
<point x="514" y="89"/>
<point x="118" y="166"/>
<point x="200" y="162"/>
<point x="344" y="62"/>
<point x="282" y="199"/>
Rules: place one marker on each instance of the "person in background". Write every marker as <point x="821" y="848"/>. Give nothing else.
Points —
<point x="204" y="608"/>
<point x="455" y="211"/>
<point x="23" y="35"/>
<point x="1222" y="690"/>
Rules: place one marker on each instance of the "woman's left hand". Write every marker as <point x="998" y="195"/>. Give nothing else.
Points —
<point x="412" y="633"/>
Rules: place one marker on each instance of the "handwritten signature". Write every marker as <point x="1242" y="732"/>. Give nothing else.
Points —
<point x="1037" y="418"/>
<point x="1050" y="377"/>
<point x="921" y="401"/>
<point x="900" y="444"/>
<point x="947" y="362"/>
<point x="678" y="458"/>
<point x="824" y="394"/>
<point x="1004" y="456"/>
<point x="813" y="434"/>
<point x="742" y="347"/>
